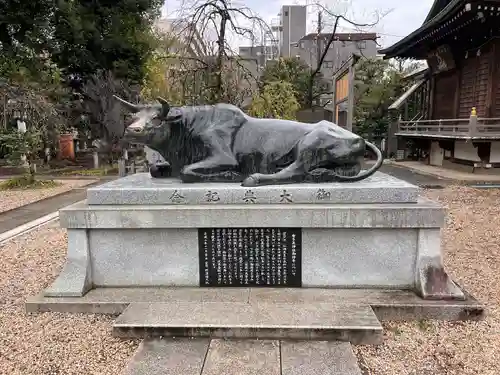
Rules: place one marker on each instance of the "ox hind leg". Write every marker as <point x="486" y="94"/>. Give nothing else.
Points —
<point x="221" y="166"/>
<point x="292" y="174"/>
<point x="307" y="151"/>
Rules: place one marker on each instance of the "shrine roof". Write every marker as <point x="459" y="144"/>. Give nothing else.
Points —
<point x="440" y="12"/>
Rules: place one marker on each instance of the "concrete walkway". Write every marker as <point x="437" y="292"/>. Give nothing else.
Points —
<point x="66" y="177"/>
<point x="30" y="212"/>
<point x="414" y="177"/>
<point x="445" y="173"/>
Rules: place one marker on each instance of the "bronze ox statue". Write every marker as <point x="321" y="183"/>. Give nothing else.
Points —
<point x="220" y="143"/>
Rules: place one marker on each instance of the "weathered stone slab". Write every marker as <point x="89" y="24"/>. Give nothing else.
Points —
<point x="359" y="258"/>
<point x="168" y="357"/>
<point x="424" y="214"/>
<point x="318" y="358"/>
<point x="387" y="304"/>
<point x="141" y="189"/>
<point x="432" y="281"/>
<point x="246" y="357"/>
<point x="324" y="321"/>
<point x="75" y="278"/>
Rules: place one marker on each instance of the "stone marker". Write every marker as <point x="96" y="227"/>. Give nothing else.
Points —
<point x="255" y="203"/>
<point x="344" y="244"/>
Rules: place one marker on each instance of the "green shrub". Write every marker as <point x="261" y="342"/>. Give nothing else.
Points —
<point x="27" y="182"/>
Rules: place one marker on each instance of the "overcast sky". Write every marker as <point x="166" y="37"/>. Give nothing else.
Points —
<point x="402" y="16"/>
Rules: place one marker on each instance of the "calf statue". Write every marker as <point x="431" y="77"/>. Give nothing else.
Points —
<point x="220" y="143"/>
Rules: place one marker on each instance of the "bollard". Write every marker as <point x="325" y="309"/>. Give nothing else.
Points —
<point x="96" y="160"/>
<point x="122" y="171"/>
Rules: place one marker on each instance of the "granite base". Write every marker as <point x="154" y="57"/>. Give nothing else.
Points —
<point x="388" y="246"/>
<point x="142" y="189"/>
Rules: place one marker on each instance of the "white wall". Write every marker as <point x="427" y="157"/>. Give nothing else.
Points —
<point x="436" y="154"/>
<point x="465" y="151"/>
<point x="495" y="152"/>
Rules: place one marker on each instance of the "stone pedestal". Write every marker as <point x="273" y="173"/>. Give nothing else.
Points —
<point x="141" y="232"/>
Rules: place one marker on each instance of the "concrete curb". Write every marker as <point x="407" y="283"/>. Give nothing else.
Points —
<point x="28" y="227"/>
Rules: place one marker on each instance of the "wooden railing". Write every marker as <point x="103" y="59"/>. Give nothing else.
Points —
<point x="468" y="127"/>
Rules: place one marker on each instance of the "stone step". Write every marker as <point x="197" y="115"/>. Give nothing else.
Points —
<point x="355" y="323"/>
<point x="243" y="357"/>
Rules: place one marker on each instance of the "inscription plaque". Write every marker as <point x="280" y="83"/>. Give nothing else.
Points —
<point x="256" y="257"/>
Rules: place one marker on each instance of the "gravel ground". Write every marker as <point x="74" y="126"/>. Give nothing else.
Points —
<point x="10" y="199"/>
<point x="50" y="344"/>
<point x="471" y="241"/>
<point x="57" y="344"/>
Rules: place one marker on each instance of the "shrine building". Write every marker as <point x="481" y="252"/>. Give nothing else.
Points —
<point x="452" y="111"/>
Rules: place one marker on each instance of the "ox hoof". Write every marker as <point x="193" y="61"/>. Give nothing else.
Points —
<point x="250" y="181"/>
<point x="161" y="170"/>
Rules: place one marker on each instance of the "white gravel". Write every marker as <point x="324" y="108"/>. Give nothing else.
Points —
<point x="50" y="344"/>
<point x="471" y="241"/>
<point x="10" y="199"/>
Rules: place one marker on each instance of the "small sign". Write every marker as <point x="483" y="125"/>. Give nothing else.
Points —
<point x="250" y="257"/>
<point x="441" y="59"/>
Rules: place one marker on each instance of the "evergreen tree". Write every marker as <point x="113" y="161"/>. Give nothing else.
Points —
<point x="90" y="36"/>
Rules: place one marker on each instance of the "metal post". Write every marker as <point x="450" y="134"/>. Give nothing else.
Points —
<point x="473" y="122"/>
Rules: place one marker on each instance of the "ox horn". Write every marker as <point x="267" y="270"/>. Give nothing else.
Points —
<point x="131" y="107"/>
<point x="164" y="105"/>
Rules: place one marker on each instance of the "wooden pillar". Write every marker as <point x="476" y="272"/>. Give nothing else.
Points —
<point x="350" y="98"/>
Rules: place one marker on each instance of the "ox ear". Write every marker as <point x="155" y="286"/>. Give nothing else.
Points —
<point x="165" y="107"/>
<point x="131" y="107"/>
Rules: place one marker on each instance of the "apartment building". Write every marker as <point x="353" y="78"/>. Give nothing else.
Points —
<point x="291" y="28"/>
<point x="311" y="46"/>
<point x="261" y="53"/>
<point x="186" y="39"/>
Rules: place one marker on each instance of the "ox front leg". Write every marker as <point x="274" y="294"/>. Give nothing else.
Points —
<point x="211" y="170"/>
<point x="220" y="167"/>
<point x="294" y="173"/>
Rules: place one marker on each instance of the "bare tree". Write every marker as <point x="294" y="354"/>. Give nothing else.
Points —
<point x="105" y="116"/>
<point x="323" y="43"/>
<point x="216" y="21"/>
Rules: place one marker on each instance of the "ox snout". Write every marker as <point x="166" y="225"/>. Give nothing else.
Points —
<point x="135" y="132"/>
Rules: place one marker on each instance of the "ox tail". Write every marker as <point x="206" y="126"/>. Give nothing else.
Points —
<point x="367" y="173"/>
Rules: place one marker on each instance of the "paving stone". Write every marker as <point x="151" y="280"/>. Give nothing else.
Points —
<point x="328" y="321"/>
<point x="246" y="357"/>
<point x="318" y="358"/>
<point x="169" y="357"/>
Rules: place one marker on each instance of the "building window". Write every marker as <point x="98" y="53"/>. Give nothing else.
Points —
<point x="286" y="13"/>
<point x="362" y="44"/>
<point x="329" y="64"/>
<point x="302" y="45"/>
